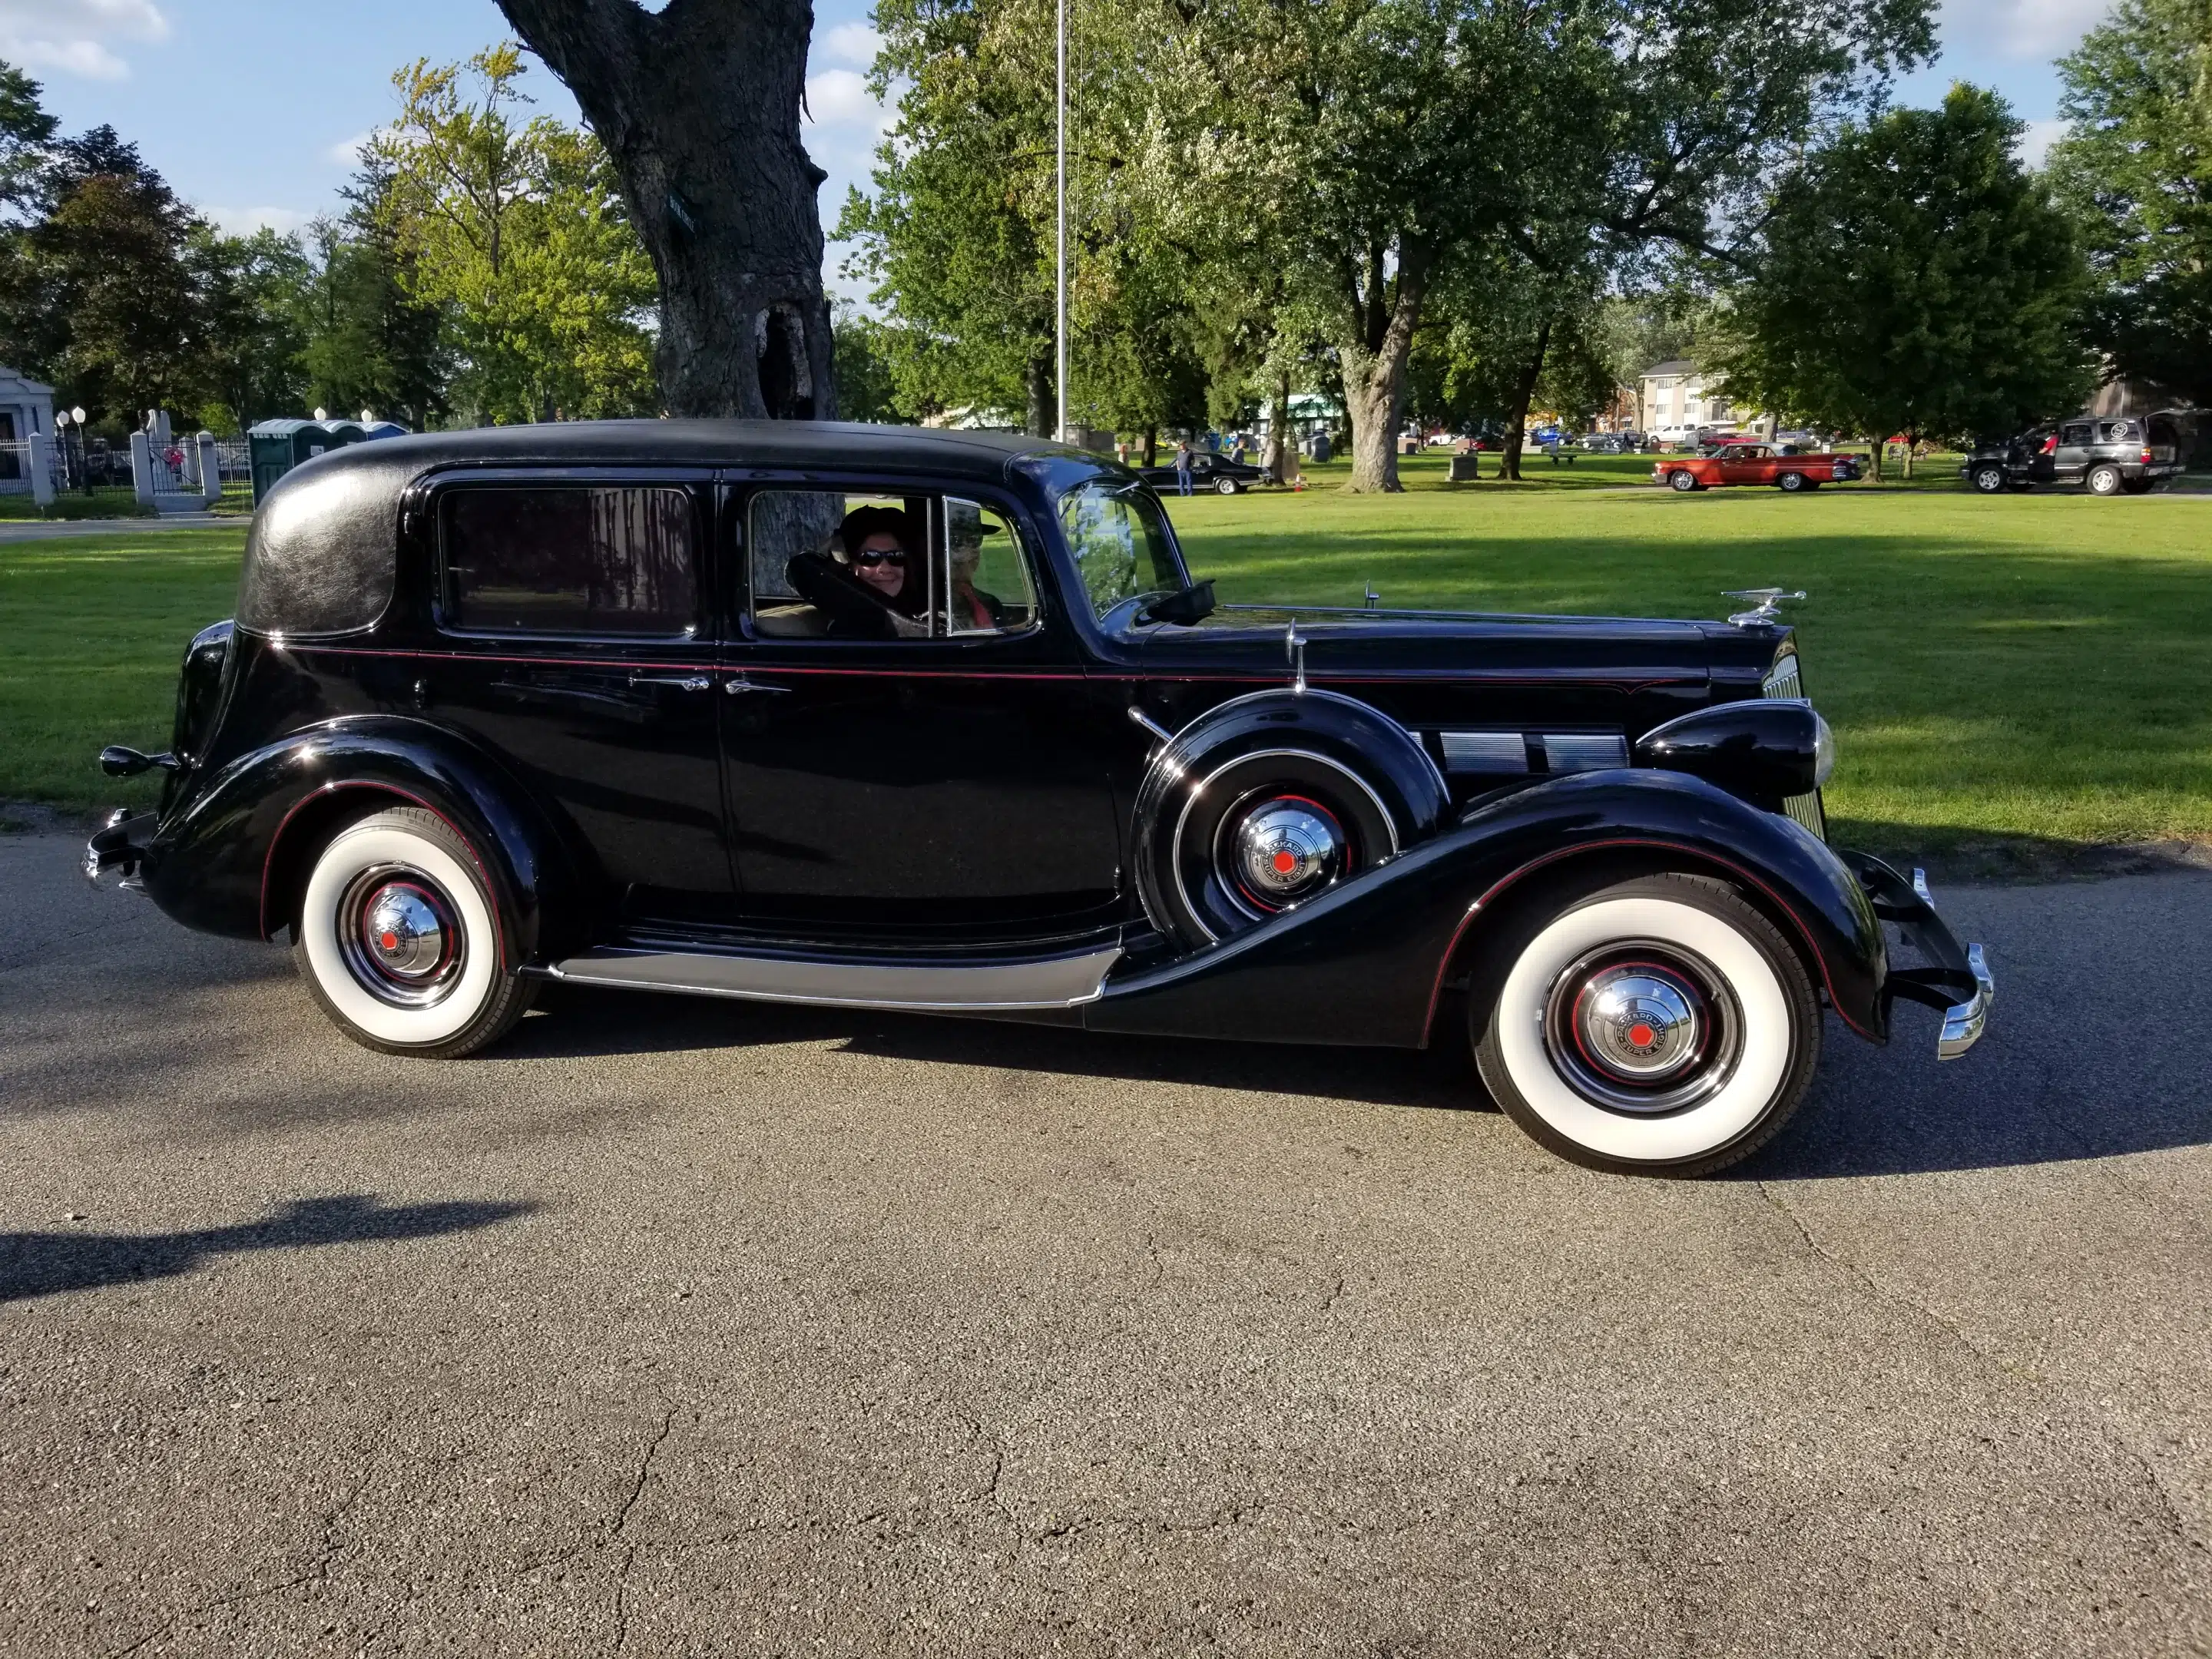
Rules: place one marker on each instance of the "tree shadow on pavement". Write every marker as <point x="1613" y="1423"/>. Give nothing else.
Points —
<point x="42" y="1264"/>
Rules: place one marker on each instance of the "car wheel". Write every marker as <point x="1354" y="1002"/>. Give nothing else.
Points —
<point x="2104" y="481"/>
<point x="1660" y="1026"/>
<point x="1791" y="482"/>
<point x="1225" y="486"/>
<point x="398" y="937"/>
<point x="1989" y="480"/>
<point x="1681" y="482"/>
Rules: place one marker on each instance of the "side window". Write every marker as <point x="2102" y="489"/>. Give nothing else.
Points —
<point x="568" y="559"/>
<point x="828" y="564"/>
<point x="987" y="581"/>
<point x="2118" y="432"/>
<point x="2075" y="432"/>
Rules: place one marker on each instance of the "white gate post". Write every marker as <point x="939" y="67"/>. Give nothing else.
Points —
<point x="42" y="468"/>
<point x="142" y="468"/>
<point x="210" y="468"/>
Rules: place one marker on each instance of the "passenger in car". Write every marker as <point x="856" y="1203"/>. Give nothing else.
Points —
<point x="973" y="610"/>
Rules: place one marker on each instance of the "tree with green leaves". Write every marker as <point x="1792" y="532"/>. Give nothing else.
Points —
<point x="98" y="293"/>
<point x="371" y="342"/>
<point x="515" y="232"/>
<point x="1421" y="136"/>
<point x="249" y="290"/>
<point x="1914" y="279"/>
<point x="26" y="129"/>
<point x="2135" y="171"/>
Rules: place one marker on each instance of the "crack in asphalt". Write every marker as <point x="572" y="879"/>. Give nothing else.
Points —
<point x="622" y="1520"/>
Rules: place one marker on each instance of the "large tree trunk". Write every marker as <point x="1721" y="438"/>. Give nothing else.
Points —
<point x="1386" y="314"/>
<point x="1524" y="390"/>
<point x="698" y="105"/>
<point x="1275" y="456"/>
<point x="1036" y="383"/>
<point x="1152" y="445"/>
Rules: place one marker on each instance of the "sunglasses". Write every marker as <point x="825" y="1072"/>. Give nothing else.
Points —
<point x="871" y="558"/>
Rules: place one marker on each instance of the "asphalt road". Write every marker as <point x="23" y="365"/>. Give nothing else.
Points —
<point x="688" y="1327"/>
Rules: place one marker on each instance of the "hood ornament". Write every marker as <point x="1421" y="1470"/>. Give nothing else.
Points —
<point x="1769" y="601"/>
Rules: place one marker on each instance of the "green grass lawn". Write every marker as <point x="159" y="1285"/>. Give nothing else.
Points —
<point x="2022" y="672"/>
<point x="93" y="629"/>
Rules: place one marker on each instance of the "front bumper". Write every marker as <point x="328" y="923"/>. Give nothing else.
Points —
<point x="118" y="846"/>
<point x="1957" y="979"/>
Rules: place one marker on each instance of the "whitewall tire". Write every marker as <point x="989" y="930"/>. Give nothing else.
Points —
<point x="1660" y="1026"/>
<point x="398" y="937"/>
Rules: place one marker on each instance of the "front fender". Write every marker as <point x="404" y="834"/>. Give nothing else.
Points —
<point x="1366" y="963"/>
<point x="219" y="863"/>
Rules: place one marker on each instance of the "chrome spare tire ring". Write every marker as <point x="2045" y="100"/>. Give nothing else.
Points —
<point x="400" y="936"/>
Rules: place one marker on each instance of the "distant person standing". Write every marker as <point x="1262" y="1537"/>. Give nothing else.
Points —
<point x="1122" y="451"/>
<point x="1182" y="467"/>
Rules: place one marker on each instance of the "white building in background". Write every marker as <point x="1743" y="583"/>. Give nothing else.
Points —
<point x="1673" y="405"/>
<point x="27" y="408"/>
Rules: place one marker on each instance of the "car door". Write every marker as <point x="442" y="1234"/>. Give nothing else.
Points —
<point x="1740" y="463"/>
<point x="2077" y="438"/>
<point x="943" y="777"/>
<point x="575" y="637"/>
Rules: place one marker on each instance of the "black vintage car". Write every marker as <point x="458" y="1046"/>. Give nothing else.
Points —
<point x="1221" y="475"/>
<point x="898" y="720"/>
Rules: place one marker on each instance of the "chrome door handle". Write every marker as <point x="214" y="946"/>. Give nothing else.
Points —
<point x="681" y="682"/>
<point x="737" y="685"/>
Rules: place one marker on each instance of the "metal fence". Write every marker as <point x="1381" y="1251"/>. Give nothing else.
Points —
<point x="235" y="464"/>
<point x="15" y="469"/>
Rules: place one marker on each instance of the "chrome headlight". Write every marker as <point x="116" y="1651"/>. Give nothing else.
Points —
<point x="1824" y="751"/>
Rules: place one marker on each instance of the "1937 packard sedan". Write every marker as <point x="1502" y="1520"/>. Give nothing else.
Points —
<point x="891" y="719"/>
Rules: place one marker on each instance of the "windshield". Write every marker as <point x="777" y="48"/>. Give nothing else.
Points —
<point x="1121" y="541"/>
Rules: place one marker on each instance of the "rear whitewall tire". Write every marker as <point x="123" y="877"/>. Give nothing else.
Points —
<point x="472" y="1004"/>
<point x="1709" y="931"/>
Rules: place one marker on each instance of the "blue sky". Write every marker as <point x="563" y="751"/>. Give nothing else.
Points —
<point x="250" y="107"/>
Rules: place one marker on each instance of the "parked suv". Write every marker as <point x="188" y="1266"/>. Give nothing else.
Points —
<point x="2129" y="453"/>
<point x="2107" y="454"/>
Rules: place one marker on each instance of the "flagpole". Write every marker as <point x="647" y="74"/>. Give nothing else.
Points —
<point x="1059" y="251"/>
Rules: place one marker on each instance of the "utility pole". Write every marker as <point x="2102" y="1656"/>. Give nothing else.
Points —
<point x="1059" y="251"/>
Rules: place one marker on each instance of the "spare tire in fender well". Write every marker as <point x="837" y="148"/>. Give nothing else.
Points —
<point x="1386" y="784"/>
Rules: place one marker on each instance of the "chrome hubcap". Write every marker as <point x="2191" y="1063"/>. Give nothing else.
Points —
<point x="1639" y="1024"/>
<point x="400" y="937"/>
<point x="1288" y="850"/>
<point x="1643" y="1028"/>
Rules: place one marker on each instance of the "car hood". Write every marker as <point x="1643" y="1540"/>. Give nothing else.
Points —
<point x="1448" y="643"/>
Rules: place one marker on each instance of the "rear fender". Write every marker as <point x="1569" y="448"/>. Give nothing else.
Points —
<point x="232" y="861"/>
<point x="1367" y="962"/>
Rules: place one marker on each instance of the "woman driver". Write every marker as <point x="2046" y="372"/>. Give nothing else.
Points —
<point x="879" y="550"/>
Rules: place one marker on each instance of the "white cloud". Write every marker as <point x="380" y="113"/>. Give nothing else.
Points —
<point x="839" y="98"/>
<point x="2035" y="144"/>
<point x="77" y="37"/>
<point x="851" y="43"/>
<point x="347" y="151"/>
<point x="244" y="221"/>
<point x="2019" y="28"/>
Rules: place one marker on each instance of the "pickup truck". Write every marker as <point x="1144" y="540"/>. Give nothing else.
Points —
<point x="1752" y="461"/>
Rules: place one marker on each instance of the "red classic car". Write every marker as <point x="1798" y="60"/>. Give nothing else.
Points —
<point x="1753" y="461"/>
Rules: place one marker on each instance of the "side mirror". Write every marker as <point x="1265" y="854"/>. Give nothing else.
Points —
<point x="120" y="763"/>
<point x="1187" y="605"/>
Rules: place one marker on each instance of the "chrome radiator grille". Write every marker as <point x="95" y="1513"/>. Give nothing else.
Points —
<point x="1783" y="681"/>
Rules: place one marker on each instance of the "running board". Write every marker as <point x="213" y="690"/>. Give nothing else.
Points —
<point x="1063" y="982"/>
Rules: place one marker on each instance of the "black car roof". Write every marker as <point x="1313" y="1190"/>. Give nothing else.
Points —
<point x="319" y="556"/>
<point x="979" y="456"/>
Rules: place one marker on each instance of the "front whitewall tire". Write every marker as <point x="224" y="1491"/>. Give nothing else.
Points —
<point x="1764" y="997"/>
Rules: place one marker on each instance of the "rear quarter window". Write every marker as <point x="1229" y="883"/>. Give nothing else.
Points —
<point x="618" y="560"/>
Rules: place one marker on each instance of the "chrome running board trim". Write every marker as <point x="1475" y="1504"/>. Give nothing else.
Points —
<point x="1963" y="1022"/>
<point x="1065" y="981"/>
